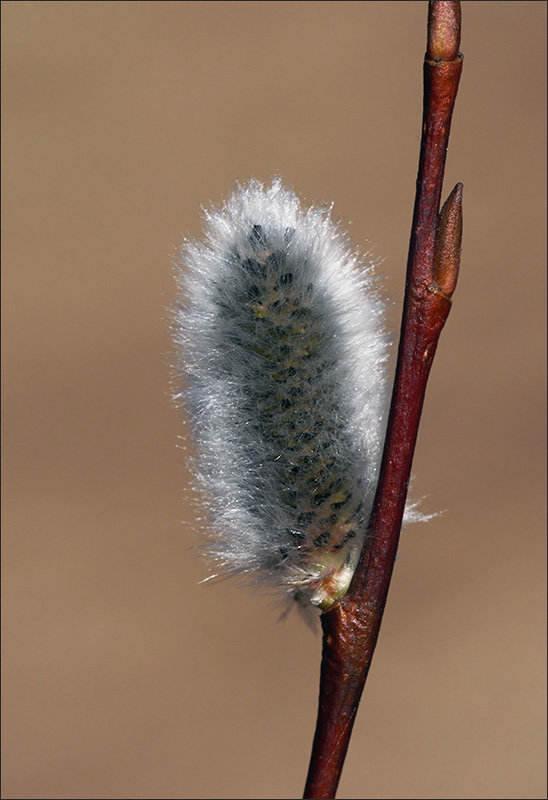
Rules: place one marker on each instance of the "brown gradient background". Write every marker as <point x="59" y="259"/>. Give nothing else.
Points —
<point x="123" y="677"/>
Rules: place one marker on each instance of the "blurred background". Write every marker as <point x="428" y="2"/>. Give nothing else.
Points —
<point x="124" y="677"/>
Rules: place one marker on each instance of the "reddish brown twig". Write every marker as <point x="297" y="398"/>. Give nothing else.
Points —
<point x="351" y="628"/>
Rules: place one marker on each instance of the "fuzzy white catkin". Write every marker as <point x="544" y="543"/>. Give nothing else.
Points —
<point x="281" y="351"/>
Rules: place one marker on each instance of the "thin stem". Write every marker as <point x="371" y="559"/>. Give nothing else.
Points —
<point x="351" y="628"/>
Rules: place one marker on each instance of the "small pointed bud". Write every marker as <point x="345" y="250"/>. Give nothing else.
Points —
<point x="443" y="30"/>
<point x="445" y="269"/>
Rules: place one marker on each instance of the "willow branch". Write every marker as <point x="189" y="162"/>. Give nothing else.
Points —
<point x="351" y="628"/>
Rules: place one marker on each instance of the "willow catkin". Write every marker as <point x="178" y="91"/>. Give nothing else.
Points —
<point x="281" y="351"/>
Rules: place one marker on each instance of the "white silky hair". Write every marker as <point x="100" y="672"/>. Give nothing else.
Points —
<point x="281" y="352"/>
